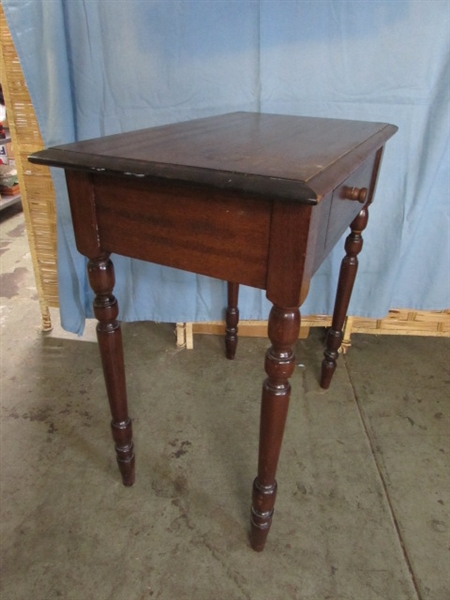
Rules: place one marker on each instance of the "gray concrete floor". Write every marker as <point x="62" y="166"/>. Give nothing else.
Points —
<point x="363" y="503"/>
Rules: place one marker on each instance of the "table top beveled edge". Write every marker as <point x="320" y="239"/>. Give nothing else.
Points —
<point x="314" y="179"/>
<point x="273" y="187"/>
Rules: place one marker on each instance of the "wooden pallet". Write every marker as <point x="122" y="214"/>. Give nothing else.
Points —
<point x="397" y="322"/>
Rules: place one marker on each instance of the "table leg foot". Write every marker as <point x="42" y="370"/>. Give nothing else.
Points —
<point x="347" y="274"/>
<point x="334" y="341"/>
<point x="232" y="320"/>
<point x="284" y="326"/>
<point x="109" y="335"/>
<point x="122" y="436"/>
<point x="260" y="519"/>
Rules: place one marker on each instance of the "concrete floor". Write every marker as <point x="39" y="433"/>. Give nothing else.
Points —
<point x="363" y="502"/>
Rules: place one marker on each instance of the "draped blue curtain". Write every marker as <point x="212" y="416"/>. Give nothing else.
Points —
<point x="95" y="67"/>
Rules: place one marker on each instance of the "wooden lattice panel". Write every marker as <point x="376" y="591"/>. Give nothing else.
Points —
<point x="36" y="186"/>
<point x="397" y="322"/>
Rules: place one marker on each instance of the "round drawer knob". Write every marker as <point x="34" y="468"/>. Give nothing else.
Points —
<point x="358" y="194"/>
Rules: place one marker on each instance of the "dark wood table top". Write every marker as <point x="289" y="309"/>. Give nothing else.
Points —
<point x="295" y="158"/>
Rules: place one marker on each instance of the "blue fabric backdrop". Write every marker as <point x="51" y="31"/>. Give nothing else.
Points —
<point x="96" y="67"/>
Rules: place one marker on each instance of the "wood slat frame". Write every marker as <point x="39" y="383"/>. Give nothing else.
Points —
<point x="36" y="186"/>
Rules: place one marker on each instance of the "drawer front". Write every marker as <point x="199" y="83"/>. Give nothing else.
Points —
<point x="344" y="210"/>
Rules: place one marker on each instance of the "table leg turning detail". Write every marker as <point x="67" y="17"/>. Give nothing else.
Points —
<point x="347" y="274"/>
<point x="232" y="320"/>
<point x="284" y="327"/>
<point x="109" y="335"/>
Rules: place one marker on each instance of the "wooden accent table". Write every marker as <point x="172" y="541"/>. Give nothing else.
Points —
<point x="249" y="198"/>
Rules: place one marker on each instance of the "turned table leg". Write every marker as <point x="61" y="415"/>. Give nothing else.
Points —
<point x="232" y="320"/>
<point x="284" y="326"/>
<point x="109" y="335"/>
<point x="349" y="267"/>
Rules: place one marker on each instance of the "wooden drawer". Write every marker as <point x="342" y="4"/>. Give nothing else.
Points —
<point x="343" y="210"/>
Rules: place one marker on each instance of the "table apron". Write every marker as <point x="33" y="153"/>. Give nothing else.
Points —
<point x="195" y="228"/>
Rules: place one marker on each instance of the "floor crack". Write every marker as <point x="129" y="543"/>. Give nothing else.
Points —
<point x="383" y="480"/>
